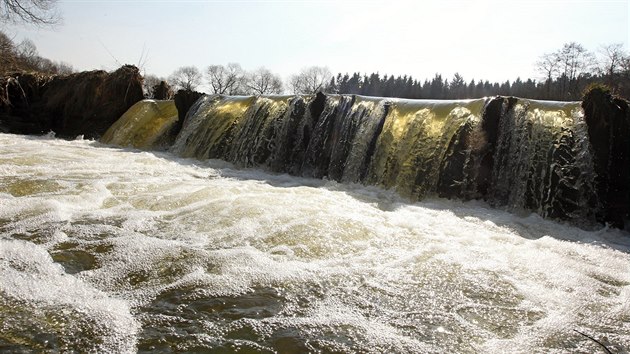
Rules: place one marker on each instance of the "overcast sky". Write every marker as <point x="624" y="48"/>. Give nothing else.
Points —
<point x="493" y="40"/>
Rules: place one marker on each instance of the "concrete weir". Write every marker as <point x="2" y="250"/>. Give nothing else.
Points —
<point x="552" y="158"/>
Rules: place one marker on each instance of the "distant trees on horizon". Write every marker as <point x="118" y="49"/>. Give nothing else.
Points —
<point x="228" y="80"/>
<point x="565" y="74"/>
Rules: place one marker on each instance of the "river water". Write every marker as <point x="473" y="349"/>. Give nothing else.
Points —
<point x="105" y="249"/>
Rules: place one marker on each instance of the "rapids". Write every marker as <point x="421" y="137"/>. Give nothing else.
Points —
<point x="118" y="250"/>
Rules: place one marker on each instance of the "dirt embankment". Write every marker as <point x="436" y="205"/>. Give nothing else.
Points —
<point x="85" y="103"/>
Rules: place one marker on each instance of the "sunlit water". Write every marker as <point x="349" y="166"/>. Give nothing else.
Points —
<point x="111" y="250"/>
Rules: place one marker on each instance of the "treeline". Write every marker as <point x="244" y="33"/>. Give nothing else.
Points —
<point x="436" y="88"/>
<point x="455" y="88"/>
<point x="567" y="73"/>
<point x="232" y="79"/>
<point x="23" y="56"/>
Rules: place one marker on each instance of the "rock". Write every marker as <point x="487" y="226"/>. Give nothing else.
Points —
<point x="184" y="99"/>
<point x="162" y="91"/>
<point x="608" y="122"/>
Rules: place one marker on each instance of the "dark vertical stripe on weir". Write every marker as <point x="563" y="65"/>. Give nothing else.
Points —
<point x="365" y="166"/>
<point x="317" y="107"/>
<point x="184" y="99"/>
<point x="607" y="119"/>
<point x="490" y="132"/>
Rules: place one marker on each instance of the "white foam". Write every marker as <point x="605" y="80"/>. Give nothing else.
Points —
<point x="28" y="275"/>
<point x="350" y="264"/>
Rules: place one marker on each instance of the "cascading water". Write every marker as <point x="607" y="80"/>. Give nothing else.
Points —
<point x="399" y="144"/>
<point x="143" y="126"/>
<point x="208" y="131"/>
<point x="415" y="145"/>
<point x="543" y="162"/>
<point x="538" y="157"/>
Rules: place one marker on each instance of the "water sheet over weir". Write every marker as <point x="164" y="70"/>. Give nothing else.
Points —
<point x="144" y="125"/>
<point x="522" y="154"/>
<point x="401" y="144"/>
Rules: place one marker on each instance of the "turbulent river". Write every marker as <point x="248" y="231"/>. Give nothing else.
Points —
<point x="105" y="249"/>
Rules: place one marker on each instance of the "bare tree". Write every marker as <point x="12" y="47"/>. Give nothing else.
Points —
<point x="574" y="61"/>
<point x="25" y="57"/>
<point x="27" y="49"/>
<point x="28" y="54"/>
<point x="37" y="12"/>
<point x="263" y="82"/>
<point x="64" y="68"/>
<point x="612" y="57"/>
<point x="548" y="65"/>
<point x="186" y="78"/>
<point x="310" y="80"/>
<point x="7" y="53"/>
<point x="226" y="80"/>
<point x="148" y="83"/>
<point x="612" y="60"/>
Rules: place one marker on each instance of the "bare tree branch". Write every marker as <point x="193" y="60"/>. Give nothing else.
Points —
<point x="596" y="341"/>
<point x="37" y="12"/>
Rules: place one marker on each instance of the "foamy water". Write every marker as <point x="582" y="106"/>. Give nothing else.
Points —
<point x="112" y="250"/>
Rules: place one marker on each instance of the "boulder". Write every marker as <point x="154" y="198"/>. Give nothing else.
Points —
<point x="184" y="99"/>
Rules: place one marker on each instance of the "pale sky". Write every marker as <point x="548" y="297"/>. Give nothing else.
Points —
<point x="490" y="40"/>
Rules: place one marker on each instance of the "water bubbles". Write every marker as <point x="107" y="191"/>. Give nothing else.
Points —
<point x="142" y="252"/>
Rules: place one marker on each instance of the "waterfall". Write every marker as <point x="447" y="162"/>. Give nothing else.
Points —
<point x="543" y="160"/>
<point x="417" y="144"/>
<point x="524" y="155"/>
<point x="145" y="125"/>
<point x="401" y="144"/>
